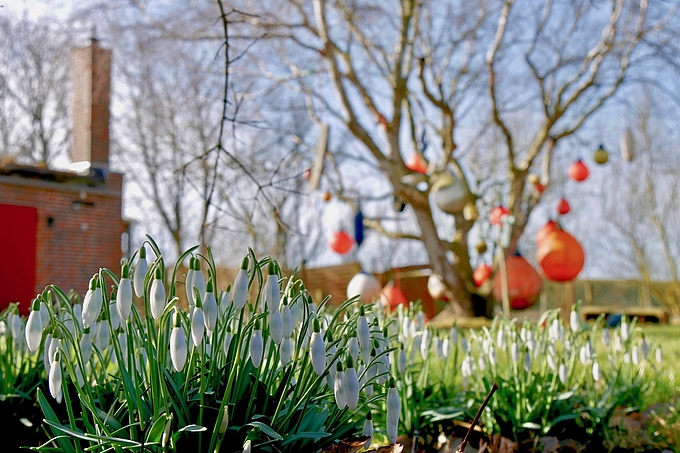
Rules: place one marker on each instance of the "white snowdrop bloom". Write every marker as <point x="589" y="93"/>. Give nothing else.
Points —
<point x="34" y="327"/>
<point x="551" y="362"/>
<point x="122" y="340"/>
<point x="383" y="368"/>
<point x="486" y="343"/>
<point x="225" y="300"/>
<point x="79" y="376"/>
<point x="124" y="296"/>
<point x="481" y="363"/>
<point x="464" y="345"/>
<point x="256" y="345"/>
<point x="287" y="319"/>
<point x="228" y="336"/>
<point x="353" y="346"/>
<point x="86" y="346"/>
<point x="500" y="338"/>
<point x="618" y="346"/>
<point x="55" y="346"/>
<point x="405" y="328"/>
<point x="240" y="294"/>
<point x="15" y="325"/>
<point x="530" y="342"/>
<point x="527" y="362"/>
<point x="276" y="326"/>
<point x="562" y="373"/>
<point x="178" y="343"/>
<point x="198" y="284"/>
<point x="551" y="349"/>
<point x="317" y="350"/>
<point x="54" y="381"/>
<point x="625" y="330"/>
<point x="46" y="353"/>
<point x="140" y="273"/>
<point x="635" y="355"/>
<point x="272" y="291"/>
<point x="367" y="430"/>
<point x="659" y="355"/>
<point x="197" y="324"/>
<point x="606" y="337"/>
<point x="392" y="431"/>
<point x="420" y="320"/>
<point x="209" y="308"/>
<point x="514" y="352"/>
<point x="584" y="355"/>
<point x="467" y="367"/>
<point x="363" y="332"/>
<point x="393" y="412"/>
<point x="338" y="389"/>
<point x="523" y="334"/>
<point x="401" y="360"/>
<point x="574" y="321"/>
<point x="644" y="347"/>
<point x="626" y="358"/>
<point x="446" y="348"/>
<point x="554" y="330"/>
<point x="92" y="303"/>
<point x="597" y="374"/>
<point x="493" y="359"/>
<point x="350" y="386"/>
<point x="114" y="315"/>
<point x="224" y="423"/>
<point x="103" y="337"/>
<point x="425" y="344"/>
<point x="286" y="351"/>
<point x="453" y="337"/>
<point x="157" y="295"/>
<point x="247" y="447"/>
<point x="567" y="345"/>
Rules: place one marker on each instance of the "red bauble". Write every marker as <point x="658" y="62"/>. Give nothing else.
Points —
<point x="578" y="171"/>
<point x="560" y="256"/>
<point x="415" y="162"/>
<point x="340" y="242"/>
<point x="497" y="215"/>
<point x="545" y="230"/>
<point x="563" y="207"/>
<point x="392" y="296"/>
<point x="481" y="274"/>
<point x="524" y="283"/>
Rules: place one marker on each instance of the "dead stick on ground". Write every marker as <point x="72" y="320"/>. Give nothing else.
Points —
<point x="494" y="387"/>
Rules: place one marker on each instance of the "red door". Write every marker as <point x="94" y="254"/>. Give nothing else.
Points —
<point x="17" y="255"/>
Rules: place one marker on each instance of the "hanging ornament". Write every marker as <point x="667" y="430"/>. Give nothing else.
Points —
<point x="497" y="215"/>
<point x="392" y="296"/>
<point x="416" y="162"/>
<point x="601" y="156"/>
<point x="481" y="247"/>
<point x="627" y="145"/>
<point x="545" y="230"/>
<point x="481" y="274"/>
<point x="359" y="228"/>
<point x="340" y="242"/>
<point x="450" y="193"/>
<point x="578" y="171"/>
<point x="563" y="207"/>
<point x="436" y="287"/>
<point x="560" y="256"/>
<point x="524" y="283"/>
<point x="364" y="285"/>
<point x="326" y="197"/>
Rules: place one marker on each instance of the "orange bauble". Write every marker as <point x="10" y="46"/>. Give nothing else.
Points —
<point x="578" y="171"/>
<point x="497" y="215"/>
<point x="415" y="162"/>
<point x="563" y="207"/>
<point x="481" y="274"/>
<point x="560" y="256"/>
<point x="340" y="242"/>
<point x="392" y="296"/>
<point x="545" y="230"/>
<point x="326" y="196"/>
<point x="524" y="283"/>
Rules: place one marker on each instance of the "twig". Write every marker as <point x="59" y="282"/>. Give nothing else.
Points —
<point x="494" y="387"/>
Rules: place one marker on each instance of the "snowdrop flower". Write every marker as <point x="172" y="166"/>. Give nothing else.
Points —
<point x="453" y="337"/>
<point x="103" y="336"/>
<point x="54" y="382"/>
<point x="481" y="362"/>
<point x="493" y="359"/>
<point x="46" y="353"/>
<point x="617" y="342"/>
<point x="420" y="320"/>
<point x="86" y="346"/>
<point x="286" y="351"/>
<point x="500" y="338"/>
<point x="405" y="328"/>
<point x="178" y="343"/>
<point x="15" y="325"/>
<point x="157" y="295"/>
<point x="625" y="330"/>
<point x="140" y="273"/>
<point x="353" y="346"/>
<point x="256" y="345"/>
<point x="446" y="348"/>
<point x="338" y="389"/>
<point x="317" y="350"/>
<point x="425" y="344"/>
<point x="124" y="298"/>
<point x="659" y="355"/>
<point x="114" y="316"/>
<point x="225" y="300"/>
<point x="228" y="336"/>
<point x="188" y="283"/>
<point x="597" y="374"/>
<point x="527" y="362"/>
<point x="276" y="326"/>
<point x="401" y="360"/>
<point x="247" y="447"/>
<point x="530" y="342"/>
<point x="197" y="280"/>
<point x="224" y="423"/>
<point x="92" y="303"/>
<point x="551" y="362"/>
<point x="606" y="338"/>
<point x="363" y="333"/>
<point x="635" y="355"/>
<point x="437" y="345"/>
<point x="574" y="321"/>
<point x="514" y="352"/>
<point x="393" y="412"/>
<point x="55" y="346"/>
<point x="367" y="429"/>
<point x="34" y="327"/>
<point x="350" y="386"/>
<point x="241" y="286"/>
<point x="272" y="292"/>
<point x="287" y="319"/>
<point x="562" y="373"/>
<point x="644" y="347"/>
<point x="197" y="323"/>
<point x="44" y="314"/>
<point x="584" y="354"/>
<point x="122" y="340"/>
<point x="464" y="345"/>
<point x="209" y="307"/>
<point x="467" y="367"/>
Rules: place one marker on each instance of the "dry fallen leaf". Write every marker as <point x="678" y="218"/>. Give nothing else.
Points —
<point x="349" y="445"/>
<point x="394" y="448"/>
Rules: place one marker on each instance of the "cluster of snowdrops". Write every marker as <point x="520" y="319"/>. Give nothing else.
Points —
<point x="257" y="365"/>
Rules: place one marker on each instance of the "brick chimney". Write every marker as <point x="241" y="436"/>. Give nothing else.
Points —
<point x="91" y="92"/>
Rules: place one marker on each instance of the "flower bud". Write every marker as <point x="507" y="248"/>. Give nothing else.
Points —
<point x="625" y="330"/>
<point x="287" y="319"/>
<point x="86" y="346"/>
<point x="367" y="430"/>
<point x="92" y="303"/>
<point x="606" y="338"/>
<point x="286" y="350"/>
<point x="401" y="361"/>
<point x="351" y="385"/>
<point x="597" y="374"/>
<point x="178" y="343"/>
<point x="209" y="308"/>
<point x="363" y="333"/>
<point x="574" y="321"/>
<point x="140" y="273"/>
<point x="54" y="382"/>
<point x="241" y="286"/>
<point x="272" y="291"/>
<point x="103" y="337"/>
<point x="157" y="295"/>
<point x="276" y="326"/>
<point x="34" y="327"/>
<point x="228" y="336"/>
<point x="256" y="346"/>
<point x="644" y="347"/>
<point x="124" y="298"/>
<point x="527" y="362"/>
<point x="562" y="373"/>
<point x="338" y="387"/>
<point x="197" y="325"/>
<point x="353" y="346"/>
<point x="635" y="355"/>
<point x="659" y="355"/>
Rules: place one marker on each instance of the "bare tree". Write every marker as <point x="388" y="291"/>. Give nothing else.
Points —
<point x="34" y="88"/>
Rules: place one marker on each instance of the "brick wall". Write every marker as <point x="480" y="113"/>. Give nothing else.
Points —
<point x="91" y="91"/>
<point x="85" y="231"/>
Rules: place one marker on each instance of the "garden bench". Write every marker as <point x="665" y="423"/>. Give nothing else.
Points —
<point x="644" y="314"/>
